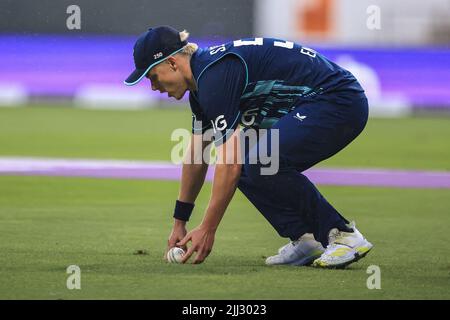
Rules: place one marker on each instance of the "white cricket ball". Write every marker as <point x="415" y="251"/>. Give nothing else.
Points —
<point x="175" y="254"/>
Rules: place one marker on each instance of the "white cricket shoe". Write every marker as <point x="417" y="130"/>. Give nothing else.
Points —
<point x="297" y="253"/>
<point x="343" y="249"/>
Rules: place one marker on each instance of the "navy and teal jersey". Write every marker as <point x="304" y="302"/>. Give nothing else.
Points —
<point x="255" y="82"/>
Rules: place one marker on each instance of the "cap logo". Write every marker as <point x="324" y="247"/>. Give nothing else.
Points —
<point x="158" y="55"/>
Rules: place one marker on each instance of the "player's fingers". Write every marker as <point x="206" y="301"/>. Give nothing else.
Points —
<point x="187" y="255"/>
<point x="170" y="244"/>
<point x="175" y="244"/>
<point x="200" y="257"/>
<point x="184" y="240"/>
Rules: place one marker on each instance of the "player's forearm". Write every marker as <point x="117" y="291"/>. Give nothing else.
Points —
<point x="192" y="179"/>
<point x="194" y="170"/>
<point x="226" y="178"/>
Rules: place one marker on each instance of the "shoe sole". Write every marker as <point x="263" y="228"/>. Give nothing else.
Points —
<point x="301" y="262"/>
<point x="358" y="256"/>
<point x="305" y="262"/>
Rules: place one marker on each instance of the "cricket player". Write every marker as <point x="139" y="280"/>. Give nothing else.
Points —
<point x="316" y="107"/>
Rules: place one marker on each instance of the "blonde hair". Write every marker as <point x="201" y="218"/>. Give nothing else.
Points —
<point x="191" y="47"/>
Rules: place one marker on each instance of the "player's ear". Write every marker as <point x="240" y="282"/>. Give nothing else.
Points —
<point x="172" y="63"/>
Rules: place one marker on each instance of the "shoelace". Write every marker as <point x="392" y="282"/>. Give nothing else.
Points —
<point x="334" y="239"/>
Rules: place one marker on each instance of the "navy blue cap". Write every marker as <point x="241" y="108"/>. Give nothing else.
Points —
<point x="153" y="47"/>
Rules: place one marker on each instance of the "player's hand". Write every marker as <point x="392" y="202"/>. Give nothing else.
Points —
<point x="202" y="239"/>
<point x="177" y="234"/>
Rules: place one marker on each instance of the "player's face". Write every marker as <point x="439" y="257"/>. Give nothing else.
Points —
<point x="164" y="77"/>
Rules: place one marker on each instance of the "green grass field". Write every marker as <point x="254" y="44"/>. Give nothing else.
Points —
<point x="47" y="223"/>
<point x="411" y="143"/>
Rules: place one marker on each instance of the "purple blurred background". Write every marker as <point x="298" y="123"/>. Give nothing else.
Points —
<point x="56" y="65"/>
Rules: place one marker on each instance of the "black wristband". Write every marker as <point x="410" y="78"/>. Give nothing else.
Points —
<point x="183" y="210"/>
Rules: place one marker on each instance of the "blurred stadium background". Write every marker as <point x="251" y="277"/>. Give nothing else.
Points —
<point x="403" y="65"/>
<point x="62" y="96"/>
